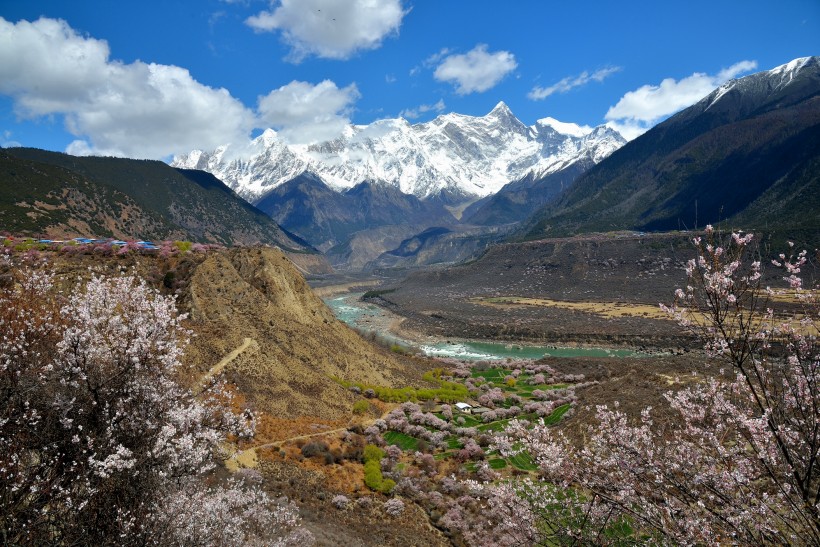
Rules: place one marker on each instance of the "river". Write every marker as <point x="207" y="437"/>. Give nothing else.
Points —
<point x="372" y="318"/>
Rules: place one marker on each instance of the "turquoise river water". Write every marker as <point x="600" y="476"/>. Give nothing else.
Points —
<point x="370" y="318"/>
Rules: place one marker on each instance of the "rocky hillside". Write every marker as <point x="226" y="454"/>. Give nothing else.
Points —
<point x="518" y="200"/>
<point x="251" y="311"/>
<point x="439" y="246"/>
<point x="61" y="196"/>
<point x="296" y="344"/>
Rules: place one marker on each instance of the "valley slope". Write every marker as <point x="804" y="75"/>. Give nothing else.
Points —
<point x="298" y="347"/>
<point x="550" y="291"/>
<point x="748" y="155"/>
<point x="51" y="194"/>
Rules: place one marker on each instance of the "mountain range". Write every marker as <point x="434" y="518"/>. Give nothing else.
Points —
<point x="393" y="194"/>
<point x="747" y="155"/>
<point x="453" y="156"/>
<point x="377" y="185"/>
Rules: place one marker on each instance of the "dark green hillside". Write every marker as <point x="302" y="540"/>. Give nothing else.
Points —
<point x="520" y="199"/>
<point x="746" y="155"/>
<point x="309" y="208"/>
<point x="49" y="192"/>
<point x="42" y="199"/>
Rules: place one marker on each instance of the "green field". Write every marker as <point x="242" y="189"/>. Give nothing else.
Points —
<point x="491" y="374"/>
<point x="501" y="424"/>
<point x="497" y="463"/>
<point x="556" y="415"/>
<point x="453" y="443"/>
<point x="494" y="376"/>
<point x="405" y="442"/>
<point x="523" y="461"/>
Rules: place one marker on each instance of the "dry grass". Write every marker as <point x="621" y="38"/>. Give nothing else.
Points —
<point x="270" y="429"/>
<point x="601" y="309"/>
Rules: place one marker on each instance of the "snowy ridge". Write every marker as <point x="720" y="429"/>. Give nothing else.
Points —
<point x="768" y="81"/>
<point x="459" y="154"/>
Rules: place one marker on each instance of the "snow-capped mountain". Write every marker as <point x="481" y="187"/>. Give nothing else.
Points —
<point x="746" y="155"/>
<point x="457" y="154"/>
<point x="765" y="83"/>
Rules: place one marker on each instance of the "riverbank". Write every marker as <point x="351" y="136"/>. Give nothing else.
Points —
<point x="325" y="291"/>
<point x="370" y="318"/>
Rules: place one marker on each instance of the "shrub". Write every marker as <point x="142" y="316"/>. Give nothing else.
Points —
<point x="183" y="246"/>
<point x="315" y="448"/>
<point x="401" y="350"/>
<point x="394" y="507"/>
<point x="361" y="407"/>
<point x="373" y="453"/>
<point x="373" y="477"/>
<point x="340" y="501"/>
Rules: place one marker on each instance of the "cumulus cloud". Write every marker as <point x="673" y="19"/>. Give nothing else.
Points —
<point x="306" y="113"/>
<point x="475" y="71"/>
<point x="570" y="82"/>
<point x="142" y="110"/>
<point x="639" y="110"/>
<point x="414" y="113"/>
<point x="332" y="29"/>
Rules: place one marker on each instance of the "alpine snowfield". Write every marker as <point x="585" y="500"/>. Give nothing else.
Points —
<point x="461" y="156"/>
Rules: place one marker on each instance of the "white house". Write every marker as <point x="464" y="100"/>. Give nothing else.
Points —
<point x="464" y="407"/>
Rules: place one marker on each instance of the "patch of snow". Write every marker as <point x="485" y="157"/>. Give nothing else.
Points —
<point x="565" y="128"/>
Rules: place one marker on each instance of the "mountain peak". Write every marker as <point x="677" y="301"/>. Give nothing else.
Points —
<point x="768" y="83"/>
<point x="794" y="66"/>
<point x="501" y="109"/>
<point x="456" y="153"/>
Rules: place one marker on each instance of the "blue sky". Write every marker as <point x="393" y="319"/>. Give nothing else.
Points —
<point x="157" y="78"/>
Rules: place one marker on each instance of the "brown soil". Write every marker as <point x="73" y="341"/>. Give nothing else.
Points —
<point x="631" y="383"/>
<point x="354" y="526"/>
<point x="299" y="345"/>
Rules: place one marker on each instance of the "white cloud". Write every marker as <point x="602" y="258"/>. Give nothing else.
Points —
<point x="7" y="141"/>
<point x="538" y="93"/>
<point x="413" y="113"/>
<point x="306" y="113"/>
<point x="639" y="110"/>
<point x="629" y="129"/>
<point x="435" y="58"/>
<point x="431" y="61"/>
<point x="333" y="29"/>
<point x="475" y="71"/>
<point x="137" y="110"/>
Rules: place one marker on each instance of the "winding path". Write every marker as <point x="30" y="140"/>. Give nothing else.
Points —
<point x="247" y="457"/>
<point x="217" y="368"/>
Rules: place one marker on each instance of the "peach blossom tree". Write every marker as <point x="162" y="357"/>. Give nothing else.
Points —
<point x="738" y="465"/>
<point x="99" y="442"/>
